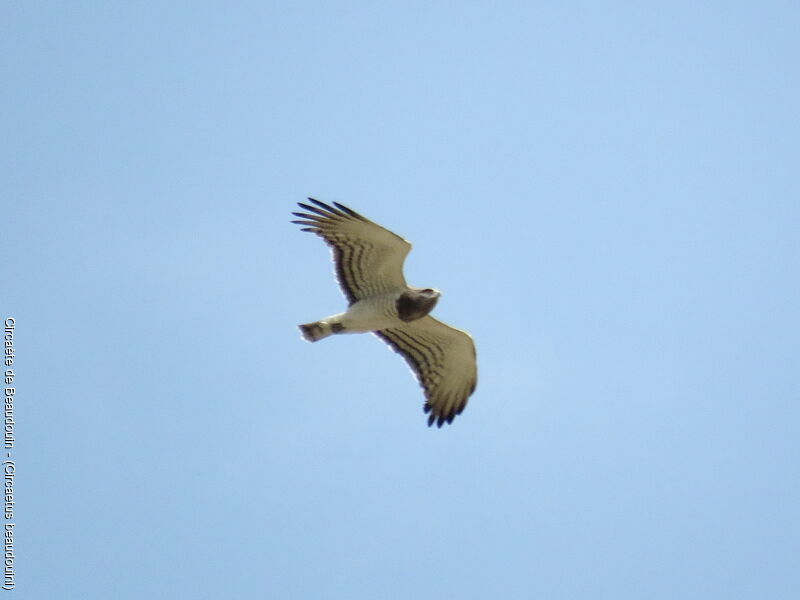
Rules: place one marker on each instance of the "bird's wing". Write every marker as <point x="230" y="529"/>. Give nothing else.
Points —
<point x="443" y="359"/>
<point x="368" y="258"/>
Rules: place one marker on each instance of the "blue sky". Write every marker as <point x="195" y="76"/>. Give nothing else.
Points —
<point x="606" y="193"/>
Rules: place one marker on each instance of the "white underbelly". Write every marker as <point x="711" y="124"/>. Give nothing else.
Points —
<point x="372" y="314"/>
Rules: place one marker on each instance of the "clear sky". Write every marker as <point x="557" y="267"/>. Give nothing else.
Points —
<point x="606" y="193"/>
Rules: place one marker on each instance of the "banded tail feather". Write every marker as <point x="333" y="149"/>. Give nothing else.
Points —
<point x="313" y="332"/>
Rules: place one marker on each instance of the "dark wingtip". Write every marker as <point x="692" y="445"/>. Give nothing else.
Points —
<point x="326" y="207"/>
<point x="314" y="210"/>
<point x="348" y="211"/>
<point x="327" y="211"/>
<point x="441" y="419"/>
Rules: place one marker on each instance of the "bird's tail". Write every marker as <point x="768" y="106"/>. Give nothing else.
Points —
<point x="313" y="332"/>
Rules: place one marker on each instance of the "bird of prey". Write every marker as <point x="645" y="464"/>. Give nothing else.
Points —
<point x="369" y="266"/>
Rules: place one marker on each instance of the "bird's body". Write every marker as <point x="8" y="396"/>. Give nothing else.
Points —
<point x="369" y="261"/>
<point x="374" y="313"/>
<point x="370" y="314"/>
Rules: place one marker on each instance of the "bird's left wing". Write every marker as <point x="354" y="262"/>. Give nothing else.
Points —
<point x="368" y="257"/>
<point x="443" y="360"/>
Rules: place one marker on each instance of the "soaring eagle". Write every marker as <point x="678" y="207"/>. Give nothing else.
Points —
<point x="369" y="267"/>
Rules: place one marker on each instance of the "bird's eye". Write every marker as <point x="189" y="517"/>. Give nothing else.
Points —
<point x="427" y="291"/>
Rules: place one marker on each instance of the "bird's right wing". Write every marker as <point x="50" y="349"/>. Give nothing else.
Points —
<point x="368" y="257"/>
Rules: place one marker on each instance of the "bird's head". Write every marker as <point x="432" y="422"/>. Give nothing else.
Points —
<point x="416" y="303"/>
